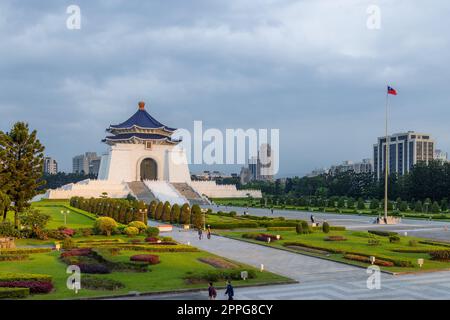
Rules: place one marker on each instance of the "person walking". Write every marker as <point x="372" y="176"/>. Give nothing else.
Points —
<point x="312" y="219"/>
<point x="212" y="293"/>
<point x="229" y="291"/>
<point x="208" y="232"/>
<point x="271" y="210"/>
<point x="200" y="233"/>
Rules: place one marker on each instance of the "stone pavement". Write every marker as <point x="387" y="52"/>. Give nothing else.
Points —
<point x="318" y="278"/>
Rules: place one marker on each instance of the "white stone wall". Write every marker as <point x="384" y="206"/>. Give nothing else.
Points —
<point x="123" y="163"/>
<point x="213" y="190"/>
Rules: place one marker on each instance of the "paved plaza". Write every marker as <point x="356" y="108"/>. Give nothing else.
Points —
<point x="318" y="278"/>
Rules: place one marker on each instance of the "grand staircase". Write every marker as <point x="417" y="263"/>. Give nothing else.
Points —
<point x="190" y="194"/>
<point x="141" y="191"/>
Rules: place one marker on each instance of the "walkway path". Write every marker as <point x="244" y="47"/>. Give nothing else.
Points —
<point x="318" y="278"/>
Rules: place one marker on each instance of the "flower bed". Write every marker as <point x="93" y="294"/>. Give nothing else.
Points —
<point x="95" y="283"/>
<point x="219" y="263"/>
<point x="218" y="275"/>
<point x="76" y="252"/>
<point x="365" y="259"/>
<point x="335" y="238"/>
<point x="440" y="255"/>
<point x="147" y="258"/>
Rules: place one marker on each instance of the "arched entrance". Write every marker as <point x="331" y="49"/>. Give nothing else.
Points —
<point x="149" y="169"/>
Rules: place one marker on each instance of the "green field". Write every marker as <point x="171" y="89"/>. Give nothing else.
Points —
<point x="356" y="243"/>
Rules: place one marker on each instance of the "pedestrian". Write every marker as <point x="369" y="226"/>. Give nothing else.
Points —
<point x="271" y="210"/>
<point x="200" y="233"/>
<point x="312" y="219"/>
<point x="212" y="293"/>
<point x="229" y="291"/>
<point x="208" y="232"/>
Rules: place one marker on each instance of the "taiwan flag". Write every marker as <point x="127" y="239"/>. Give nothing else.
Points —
<point x="391" y="91"/>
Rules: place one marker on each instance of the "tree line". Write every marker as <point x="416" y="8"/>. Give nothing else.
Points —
<point x="424" y="181"/>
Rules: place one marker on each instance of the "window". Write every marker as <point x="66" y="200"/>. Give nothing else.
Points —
<point x="148" y="145"/>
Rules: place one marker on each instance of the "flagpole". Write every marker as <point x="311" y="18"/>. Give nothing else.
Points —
<point x="386" y="167"/>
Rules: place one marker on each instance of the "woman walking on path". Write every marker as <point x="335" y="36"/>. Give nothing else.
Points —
<point x="200" y="233"/>
<point x="212" y="293"/>
<point x="208" y="233"/>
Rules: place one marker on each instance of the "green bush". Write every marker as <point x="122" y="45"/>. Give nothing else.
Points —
<point x="13" y="257"/>
<point x="394" y="239"/>
<point x="326" y="227"/>
<point x="382" y="233"/>
<point x="373" y="242"/>
<point x="305" y="227"/>
<point x="219" y="275"/>
<point x="105" y="225"/>
<point x="175" y="214"/>
<point x="442" y="255"/>
<point x="14" y="293"/>
<point x="7" y="230"/>
<point x="96" y="283"/>
<point x="25" y="251"/>
<point x="68" y="244"/>
<point x="152" y="231"/>
<point x="24" y="277"/>
<point x="139" y="225"/>
<point x="131" y="231"/>
<point x="299" y="228"/>
<point x="197" y="216"/>
<point x="412" y="243"/>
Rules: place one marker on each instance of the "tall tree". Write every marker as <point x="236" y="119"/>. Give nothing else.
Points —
<point x="22" y="163"/>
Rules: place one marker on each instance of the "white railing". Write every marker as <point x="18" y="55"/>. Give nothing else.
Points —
<point x="164" y="191"/>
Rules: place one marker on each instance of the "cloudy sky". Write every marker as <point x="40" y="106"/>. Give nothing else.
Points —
<point x="311" y="68"/>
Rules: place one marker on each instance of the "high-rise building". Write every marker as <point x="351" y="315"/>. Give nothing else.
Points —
<point x="405" y="150"/>
<point x="50" y="165"/>
<point x="260" y="167"/>
<point x="441" y="155"/>
<point x="88" y="163"/>
<point x="359" y="167"/>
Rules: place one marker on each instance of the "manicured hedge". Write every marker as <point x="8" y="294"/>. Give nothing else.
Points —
<point x="281" y="229"/>
<point x="25" y="277"/>
<point x="25" y="251"/>
<point x="147" y="258"/>
<point x="14" y="293"/>
<point x="383" y="233"/>
<point x="13" y="257"/>
<point x="158" y="248"/>
<point x="96" y="283"/>
<point x="332" y="228"/>
<point x="33" y="286"/>
<point x="441" y="255"/>
<point x="234" y="225"/>
<point x="365" y="259"/>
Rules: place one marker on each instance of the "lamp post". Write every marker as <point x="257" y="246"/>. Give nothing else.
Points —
<point x="65" y="213"/>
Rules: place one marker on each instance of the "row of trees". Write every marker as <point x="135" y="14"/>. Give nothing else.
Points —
<point x="360" y="204"/>
<point x="21" y="164"/>
<point x="53" y="181"/>
<point x="122" y="210"/>
<point x="423" y="181"/>
<point x="163" y="211"/>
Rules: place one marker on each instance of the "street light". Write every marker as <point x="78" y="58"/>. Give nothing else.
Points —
<point x="65" y="213"/>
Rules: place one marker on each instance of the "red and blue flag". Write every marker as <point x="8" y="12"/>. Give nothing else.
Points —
<point x="391" y="91"/>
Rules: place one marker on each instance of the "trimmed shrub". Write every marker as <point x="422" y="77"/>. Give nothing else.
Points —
<point x="14" y="293"/>
<point x="5" y="277"/>
<point x="7" y="229"/>
<point x="335" y="238"/>
<point x="95" y="283"/>
<point x="299" y="228"/>
<point x="147" y="258"/>
<point x="139" y="225"/>
<point x="365" y="259"/>
<point x="394" y="239"/>
<point x="76" y="252"/>
<point x="68" y="244"/>
<point x="281" y="229"/>
<point x="93" y="268"/>
<point x="131" y="231"/>
<point x="250" y="235"/>
<point x="382" y="233"/>
<point x="152" y="231"/>
<point x="305" y="227"/>
<point x="197" y="216"/>
<point x="33" y="286"/>
<point x="159" y="211"/>
<point x="412" y="243"/>
<point x="105" y="225"/>
<point x="441" y="255"/>
<point x="13" y="257"/>
<point x="185" y="217"/>
<point x="373" y="242"/>
<point x="175" y="214"/>
<point x="326" y="227"/>
<point x="219" y="275"/>
<point x="166" y="212"/>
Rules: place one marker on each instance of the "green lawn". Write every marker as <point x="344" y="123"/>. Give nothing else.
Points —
<point x="166" y="276"/>
<point x="75" y="220"/>
<point x="357" y="242"/>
